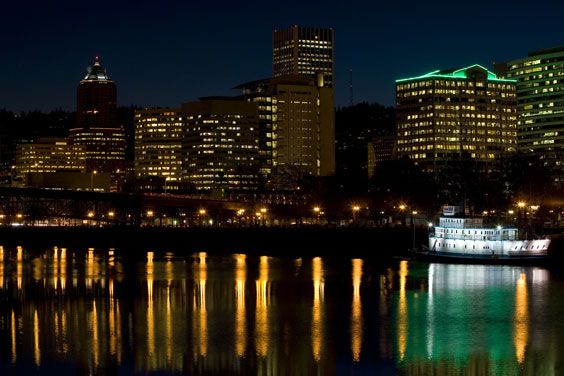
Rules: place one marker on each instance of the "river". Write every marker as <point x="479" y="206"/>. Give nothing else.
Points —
<point x="110" y="311"/>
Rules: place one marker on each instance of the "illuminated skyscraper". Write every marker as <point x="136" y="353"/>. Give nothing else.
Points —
<point x="456" y="114"/>
<point x="221" y="144"/>
<point x="304" y="51"/>
<point x="296" y="123"/>
<point x="540" y="94"/>
<point x="158" y="143"/>
<point x="97" y="128"/>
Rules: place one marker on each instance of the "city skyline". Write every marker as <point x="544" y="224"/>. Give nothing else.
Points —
<point x="178" y="54"/>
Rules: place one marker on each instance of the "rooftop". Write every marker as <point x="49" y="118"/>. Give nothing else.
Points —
<point x="96" y="72"/>
<point x="457" y="73"/>
<point x="546" y="51"/>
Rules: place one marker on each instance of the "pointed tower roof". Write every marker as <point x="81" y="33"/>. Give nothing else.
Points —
<point x="96" y="72"/>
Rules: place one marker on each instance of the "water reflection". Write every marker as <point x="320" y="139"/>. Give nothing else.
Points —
<point x="317" y="311"/>
<point x="262" y="335"/>
<point x="100" y="311"/>
<point x="356" y="312"/>
<point x="521" y="319"/>
<point x="240" y="318"/>
<point x="470" y="317"/>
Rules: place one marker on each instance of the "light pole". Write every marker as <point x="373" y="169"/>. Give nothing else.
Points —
<point x="202" y="216"/>
<point x="317" y="210"/>
<point x="92" y="179"/>
<point x="402" y="209"/>
<point x="263" y="211"/>
<point x="355" y="209"/>
<point x="521" y="205"/>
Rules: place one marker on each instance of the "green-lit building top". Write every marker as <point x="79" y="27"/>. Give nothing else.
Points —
<point x="462" y="73"/>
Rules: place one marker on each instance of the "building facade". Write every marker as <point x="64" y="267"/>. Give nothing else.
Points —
<point x="458" y="114"/>
<point x="305" y="51"/>
<point x="97" y="128"/>
<point x="158" y="144"/>
<point x="220" y="144"/>
<point x="104" y="147"/>
<point x="380" y="149"/>
<point x="49" y="155"/>
<point x="540" y="94"/>
<point x="297" y="126"/>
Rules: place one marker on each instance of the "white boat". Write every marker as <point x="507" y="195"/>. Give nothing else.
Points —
<point x="467" y="237"/>
<point x="464" y="237"/>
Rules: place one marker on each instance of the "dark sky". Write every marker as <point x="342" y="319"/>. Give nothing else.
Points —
<point x="164" y="53"/>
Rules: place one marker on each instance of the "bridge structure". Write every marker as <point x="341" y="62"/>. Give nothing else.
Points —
<point x="71" y="207"/>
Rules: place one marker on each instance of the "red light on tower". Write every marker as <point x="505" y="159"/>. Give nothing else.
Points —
<point x="96" y="58"/>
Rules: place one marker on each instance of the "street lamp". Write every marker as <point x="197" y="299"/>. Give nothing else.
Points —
<point x="92" y="179"/>
<point x="317" y="211"/>
<point x="355" y="209"/>
<point x="402" y="209"/>
<point x="521" y="205"/>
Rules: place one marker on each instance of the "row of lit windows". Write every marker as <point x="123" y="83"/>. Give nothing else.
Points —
<point x="455" y="83"/>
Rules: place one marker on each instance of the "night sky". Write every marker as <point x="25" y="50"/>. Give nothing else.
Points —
<point x="164" y="53"/>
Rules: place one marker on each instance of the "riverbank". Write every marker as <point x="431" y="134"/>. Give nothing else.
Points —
<point x="305" y="241"/>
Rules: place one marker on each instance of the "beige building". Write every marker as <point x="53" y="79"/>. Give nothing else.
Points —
<point x="457" y="114"/>
<point x="304" y="51"/>
<point x="221" y="144"/>
<point x="104" y="147"/>
<point x="158" y="144"/>
<point x="297" y="123"/>
<point x="48" y="155"/>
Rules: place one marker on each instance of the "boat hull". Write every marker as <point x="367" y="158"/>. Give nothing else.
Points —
<point x="456" y="258"/>
<point x="537" y="248"/>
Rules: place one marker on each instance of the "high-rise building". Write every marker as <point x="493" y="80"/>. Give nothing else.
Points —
<point x="158" y="143"/>
<point x="220" y="144"/>
<point x="47" y="155"/>
<point x="380" y="149"/>
<point x="540" y="94"/>
<point x="305" y="51"/>
<point x="456" y="114"/>
<point x="105" y="147"/>
<point x="97" y="128"/>
<point x="296" y="126"/>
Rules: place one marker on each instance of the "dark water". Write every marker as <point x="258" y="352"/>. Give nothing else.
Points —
<point x="97" y="311"/>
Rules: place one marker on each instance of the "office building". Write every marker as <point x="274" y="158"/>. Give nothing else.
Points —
<point x="305" y="51"/>
<point x="540" y="94"/>
<point x="158" y="144"/>
<point x="48" y="155"/>
<point x="97" y="128"/>
<point x="220" y="144"/>
<point x="297" y="126"/>
<point x="105" y="147"/>
<point x="380" y="149"/>
<point x="457" y="114"/>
